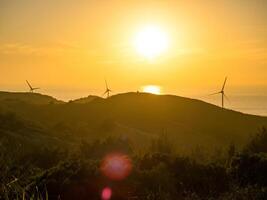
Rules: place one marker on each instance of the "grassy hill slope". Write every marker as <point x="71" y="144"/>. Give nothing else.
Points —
<point x="188" y="122"/>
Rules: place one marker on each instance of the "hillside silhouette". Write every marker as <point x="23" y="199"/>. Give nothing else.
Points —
<point x="172" y="147"/>
<point x="26" y="97"/>
<point x="139" y="116"/>
<point x="85" y="99"/>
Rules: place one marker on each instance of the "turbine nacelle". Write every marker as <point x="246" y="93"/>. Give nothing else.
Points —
<point x="222" y="92"/>
<point x="108" y="91"/>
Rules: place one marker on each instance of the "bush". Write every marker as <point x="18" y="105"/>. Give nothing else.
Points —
<point x="199" y="179"/>
<point x="249" y="169"/>
<point x="98" y="149"/>
<point x="245" y="193"/>
<point x="258" y="143"/>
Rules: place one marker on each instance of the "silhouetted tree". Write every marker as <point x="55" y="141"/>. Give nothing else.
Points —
<point x="162" y="144"/>
<point x="249" y="169"/>
<point x="258" y="143"/>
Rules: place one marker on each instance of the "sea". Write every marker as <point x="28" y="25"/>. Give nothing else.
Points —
<point x="253" y="104"/>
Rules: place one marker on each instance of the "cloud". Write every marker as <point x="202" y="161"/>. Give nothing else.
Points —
<point x="18" y="48"/>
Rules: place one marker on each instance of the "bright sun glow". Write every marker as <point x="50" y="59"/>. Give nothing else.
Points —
<point x="153" y="89"/>
<point x="151" y="42"/>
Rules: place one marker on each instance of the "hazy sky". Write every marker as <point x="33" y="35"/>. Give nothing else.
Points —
<point x="68" y="47"/>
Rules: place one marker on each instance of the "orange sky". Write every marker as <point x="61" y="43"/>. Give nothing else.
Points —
<point x="68" y="47"/>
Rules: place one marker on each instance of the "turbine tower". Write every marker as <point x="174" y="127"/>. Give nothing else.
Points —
<point x="107" y="90"/>
<point x="31" y="88"/>
<point x="222" y="92"/>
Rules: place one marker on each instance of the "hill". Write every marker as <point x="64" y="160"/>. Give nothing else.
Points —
<point x="19" y="136"/>
<point x="85" y="99"/>
<point x="31" y="98"/>
<point x="187" y="122"/>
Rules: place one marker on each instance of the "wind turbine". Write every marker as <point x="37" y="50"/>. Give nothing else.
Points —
<point x="107" y="90"/>
<point x="222" y="92"/>
<point x="31" y="88"/>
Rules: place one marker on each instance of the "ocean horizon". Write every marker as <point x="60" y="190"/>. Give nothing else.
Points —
<point x="250" y="104"/>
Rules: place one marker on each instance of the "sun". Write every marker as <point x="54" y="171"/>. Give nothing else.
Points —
<point x="153" y="89"/>
<point x="151" y="42"/>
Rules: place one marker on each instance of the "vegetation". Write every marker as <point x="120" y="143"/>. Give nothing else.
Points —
<point x="41" y="159"/>
<point x="157" y="173"/>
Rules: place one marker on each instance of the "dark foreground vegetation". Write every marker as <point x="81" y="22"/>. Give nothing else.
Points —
<point x="168" y="148"/>
<point x="157" y="173"/>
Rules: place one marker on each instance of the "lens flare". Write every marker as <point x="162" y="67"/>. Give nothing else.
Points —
<point x="116" y="166"/>
<point x="106" y="193"/>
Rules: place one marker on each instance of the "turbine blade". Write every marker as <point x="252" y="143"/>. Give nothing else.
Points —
<point x="224" y="83"/>
<point x="105" y="93"/>
<point x="29" y="85"/>
<point x="106" y="83"/>
<point x="214" y="93"/>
